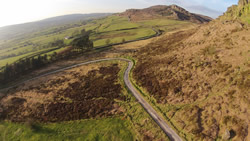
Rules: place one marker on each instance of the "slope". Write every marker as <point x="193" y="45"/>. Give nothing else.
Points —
<point x="162" y="11"/>
<point x="199" y="79"/>
<point x="108" y="30"/>
<point x="9" y="32"/>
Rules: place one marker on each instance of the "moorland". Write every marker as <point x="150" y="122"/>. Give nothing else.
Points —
<point x="195" y="75"/>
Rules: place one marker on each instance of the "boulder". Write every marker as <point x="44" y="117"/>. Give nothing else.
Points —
<point x="226" y="135"/>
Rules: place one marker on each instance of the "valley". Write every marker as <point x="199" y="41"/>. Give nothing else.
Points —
<point x="106" y="31"/>
<point x="181" y="71"/>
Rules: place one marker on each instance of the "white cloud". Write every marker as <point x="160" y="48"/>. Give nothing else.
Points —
<point x="19" y="11"/>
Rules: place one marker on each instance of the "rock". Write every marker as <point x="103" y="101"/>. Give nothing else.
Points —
<point x="226" y="135"/>
<point x="171" y="12"/>
<point x="243" y="2"/>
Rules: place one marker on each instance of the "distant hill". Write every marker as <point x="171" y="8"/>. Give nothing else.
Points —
<point x="12" y="31"/>
<point x="172" y="12"/>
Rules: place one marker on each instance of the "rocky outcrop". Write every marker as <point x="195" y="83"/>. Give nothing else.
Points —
<point x="239" y="12"/>
<point x="162" y="11"/>
<point x="243" y="2"/>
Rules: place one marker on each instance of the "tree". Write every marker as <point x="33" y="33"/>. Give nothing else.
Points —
<point x="53" y="56"/>
<point x="27" y="64"/>
<point x="107" y="41"/>
<point x="83" y="31"/>
<point x="1" y="77"/>
<point x="82" y="42"/>
<point x="8" y="72"/>
<point x="123" y="40"/>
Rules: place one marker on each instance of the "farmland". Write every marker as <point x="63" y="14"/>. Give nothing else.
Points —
<point x="114" y="28"/>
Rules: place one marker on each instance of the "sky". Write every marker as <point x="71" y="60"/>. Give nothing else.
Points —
<point x="21" y="11"/>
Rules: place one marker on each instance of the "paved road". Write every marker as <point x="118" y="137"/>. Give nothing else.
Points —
<point x="159" y="120"/>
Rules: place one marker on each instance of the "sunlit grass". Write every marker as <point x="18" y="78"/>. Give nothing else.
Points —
<point x="132" y="35"/>
<point x="93" y="129"/>
<point x="115" y="28"/>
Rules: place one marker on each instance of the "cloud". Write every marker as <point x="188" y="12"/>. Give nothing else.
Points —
<point x="204" y="11"/>
<point x="212" y="8"/>
<point x="19" y="11"/>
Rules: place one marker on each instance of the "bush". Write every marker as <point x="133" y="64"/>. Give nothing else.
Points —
<point x="107" y="41"/>
<point x="209" y="50"/>
<point x="31" y="124"/>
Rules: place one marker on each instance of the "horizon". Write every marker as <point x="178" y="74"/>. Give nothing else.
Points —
<point x="30" y="11"/>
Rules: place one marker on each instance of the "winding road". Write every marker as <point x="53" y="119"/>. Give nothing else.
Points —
<point x="158" y="119"/>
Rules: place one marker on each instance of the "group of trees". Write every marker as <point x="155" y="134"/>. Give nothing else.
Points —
<point x="82" y="42"/>
<point x="79" y="45"/>
<point x="15" y="70"/>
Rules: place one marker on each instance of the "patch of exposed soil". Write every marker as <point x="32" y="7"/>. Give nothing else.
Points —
<point x="71" y="95"/>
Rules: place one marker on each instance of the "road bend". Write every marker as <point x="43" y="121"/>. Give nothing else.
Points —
<point x="150" y="110"/>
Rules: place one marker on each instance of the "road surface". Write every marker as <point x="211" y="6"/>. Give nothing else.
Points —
<point x="158" y="119"/>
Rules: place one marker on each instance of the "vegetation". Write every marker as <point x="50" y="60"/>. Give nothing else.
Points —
<point x="82" y="41"/>
<point x="197" y="80"/>
<point x="80" y="44"/>
<point x="102" y="100"/>
<point x="94" y="98"/>
<point x="91" y="129"/>
<point x="113" y="28"/>
<point x="240" y="12"/>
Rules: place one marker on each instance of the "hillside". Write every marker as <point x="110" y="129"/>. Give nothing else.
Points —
<point x="171" y="12"/>
<point x="107" y="30"/>
<point x="196" y="76"/>
<point x="200" y="78"/>
<point x="84" y="103"/>
<point x="238" y="12"/>
<point x="9" y="32"/>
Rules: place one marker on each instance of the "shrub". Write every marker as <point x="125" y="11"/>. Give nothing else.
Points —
<point x="31" y="124"/>
<point x="107" y="41"/>
<point x="209" y="50"/>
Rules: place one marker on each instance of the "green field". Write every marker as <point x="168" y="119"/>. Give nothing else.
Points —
<point x="103" y="129"/>
<point x="118" y="36"/>
<point x="113" y="28"/>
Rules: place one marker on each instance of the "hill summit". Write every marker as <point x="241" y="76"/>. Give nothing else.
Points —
<point x="207" y="69"/>
<point x="243" y="2"/>
<point x="172" y="12"/>
<point x="238" y="12"/>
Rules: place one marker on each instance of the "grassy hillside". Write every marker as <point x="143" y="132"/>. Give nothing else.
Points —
<point x="15" y="31"/>
<point x="114" y="28"/>
<point x="199" y="80"/>
<point x="85" y="103"/>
